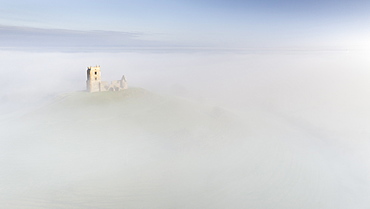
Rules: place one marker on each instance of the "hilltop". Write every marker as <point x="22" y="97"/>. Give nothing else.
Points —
<point x="138" y="149"/>
<point x="110" y="114"/>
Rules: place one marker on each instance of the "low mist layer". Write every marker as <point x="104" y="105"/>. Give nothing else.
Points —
<point x="221" y="131"/>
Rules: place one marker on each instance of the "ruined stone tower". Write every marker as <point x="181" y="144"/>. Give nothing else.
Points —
<point x="93" y="79"/>
<point x="95" y="84"/>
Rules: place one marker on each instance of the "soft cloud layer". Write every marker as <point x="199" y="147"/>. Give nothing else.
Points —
<point x="37" y="39"/>
<point x="269" y="130"/>
<point x="62" y="40"/>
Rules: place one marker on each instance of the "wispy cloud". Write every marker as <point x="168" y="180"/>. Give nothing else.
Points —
<point x="62" y="40"/>
<point x="28" y="38"/>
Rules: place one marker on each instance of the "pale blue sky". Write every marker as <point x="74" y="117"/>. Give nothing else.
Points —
<point x="191" y="23"/>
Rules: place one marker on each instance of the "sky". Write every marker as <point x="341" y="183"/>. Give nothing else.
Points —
<point x="201" y="25"/>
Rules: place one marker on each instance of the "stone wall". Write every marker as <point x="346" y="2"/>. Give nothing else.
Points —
<point x="94" y="83"/>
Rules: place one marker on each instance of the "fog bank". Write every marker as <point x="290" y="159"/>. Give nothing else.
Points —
<point x="209" y="130"/>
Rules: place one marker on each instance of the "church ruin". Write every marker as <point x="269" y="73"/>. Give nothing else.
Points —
<point x="94" y="83"/>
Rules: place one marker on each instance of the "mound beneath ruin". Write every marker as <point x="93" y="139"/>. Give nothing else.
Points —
<point x="137" y="149"/>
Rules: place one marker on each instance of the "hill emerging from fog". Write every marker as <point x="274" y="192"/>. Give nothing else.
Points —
<point x="138" y="149"/>
<point x="112" y="115"/>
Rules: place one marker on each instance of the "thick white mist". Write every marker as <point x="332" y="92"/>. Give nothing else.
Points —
<point x="221" y="130"/>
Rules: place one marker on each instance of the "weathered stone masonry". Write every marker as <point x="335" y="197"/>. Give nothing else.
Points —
<point x="94" y="83"/>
